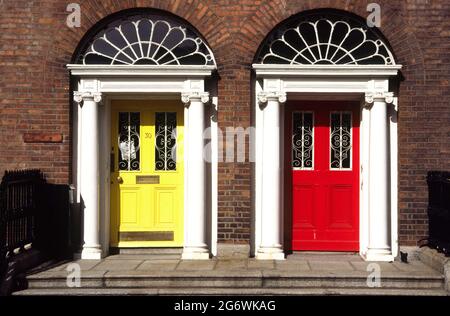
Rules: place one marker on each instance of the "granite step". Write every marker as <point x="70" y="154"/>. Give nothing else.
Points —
<point x="227" y="291"/>
<point x="142" y="274"/>
<point x="245" y="279"/>
<point x="145" y="254"/>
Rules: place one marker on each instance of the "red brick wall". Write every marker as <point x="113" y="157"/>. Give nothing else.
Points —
<point x="36" y="44"/>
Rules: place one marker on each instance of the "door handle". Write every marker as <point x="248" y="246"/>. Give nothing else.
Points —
<point x="119" y="180"/>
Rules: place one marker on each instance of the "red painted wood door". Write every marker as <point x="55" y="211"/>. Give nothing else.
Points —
<point x="324" y="169"/>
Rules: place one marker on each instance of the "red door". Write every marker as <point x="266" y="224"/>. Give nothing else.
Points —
<point x="324" y="167"/>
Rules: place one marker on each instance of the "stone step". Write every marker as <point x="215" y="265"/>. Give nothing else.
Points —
<point x="147" y="251"/>
<point x="229" y="291"/>
<point x="245" y="279"/>
<point x="149" y="256"/>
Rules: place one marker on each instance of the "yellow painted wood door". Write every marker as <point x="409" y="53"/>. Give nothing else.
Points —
<point x="147" y="175"/>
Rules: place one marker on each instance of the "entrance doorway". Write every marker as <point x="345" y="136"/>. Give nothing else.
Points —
<point x="323" y="174"/>
<point x="147" y="174"/>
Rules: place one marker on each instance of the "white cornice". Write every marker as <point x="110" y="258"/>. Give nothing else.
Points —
<point x="140" y="70"/>
<point x="265" y="70"/>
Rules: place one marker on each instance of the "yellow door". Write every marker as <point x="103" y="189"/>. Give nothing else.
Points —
<point x="147" y="174"/>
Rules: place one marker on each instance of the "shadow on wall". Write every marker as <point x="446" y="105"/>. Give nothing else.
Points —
<point x="36" y="220"/>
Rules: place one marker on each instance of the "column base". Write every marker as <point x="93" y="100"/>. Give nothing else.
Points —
<point x="91" y="253"/>
<point x="195" y="254"/>
<point x="270" y="254"/>
<point x="383" y="255"/>
<point x="234" y="251"/>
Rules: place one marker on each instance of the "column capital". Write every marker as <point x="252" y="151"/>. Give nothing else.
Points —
<point x="188" y="97"/>
<point x="81" y="96"/>
<point x="278" y="96"/>
<point x="383" y="96"/>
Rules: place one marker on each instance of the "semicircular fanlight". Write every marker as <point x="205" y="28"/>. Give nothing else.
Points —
<point x="147" y="42"/>
<point x="324" y="41"/>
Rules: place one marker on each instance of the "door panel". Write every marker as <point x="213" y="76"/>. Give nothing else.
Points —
<point x="304" y="205"/>
<point x="165" y="206"/>
<point x="129" y="201"/>
<point x="147" y="175"/>
<point x="324" y="169"/>
<point x="341" y="208"/>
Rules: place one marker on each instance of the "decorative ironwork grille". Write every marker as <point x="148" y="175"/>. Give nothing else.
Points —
<point x="165" y="140"/>
<point x="147" y="41"/>
<point x="340" y="140"/>
<point x="302" y="140"/>
<point x="129" y="140"/>
<point x="333" y="39"/>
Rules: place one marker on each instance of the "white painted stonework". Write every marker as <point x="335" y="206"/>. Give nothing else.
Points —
<point x="378" y="146"/>
<point x="89" y="162"/>
<point x="97" y="86"/>
<point x="195" y="244"/>
<point x="271" y="246"/>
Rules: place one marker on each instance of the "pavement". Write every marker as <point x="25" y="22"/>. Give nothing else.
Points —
<point x="299" y="274"/>
<point x="315" y="263"/>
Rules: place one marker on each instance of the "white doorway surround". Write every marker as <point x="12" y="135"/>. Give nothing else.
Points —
<point x="275" y="84"/>
<point x="97" y="86"/>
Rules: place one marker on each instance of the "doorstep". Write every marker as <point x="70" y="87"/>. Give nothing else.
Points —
<point x="309" y="274"/>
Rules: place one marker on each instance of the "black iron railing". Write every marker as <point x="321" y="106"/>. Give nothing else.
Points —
<point x="21" y="195"/>
<point x="439" y="211"/>
<point x="34" y="224"/>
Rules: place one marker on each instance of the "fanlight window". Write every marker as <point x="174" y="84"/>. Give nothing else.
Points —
<point x="147" y="41"/>
<point x="319" y="40"/>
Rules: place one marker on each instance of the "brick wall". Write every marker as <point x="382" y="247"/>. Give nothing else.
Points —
<point x="36" y="45"/>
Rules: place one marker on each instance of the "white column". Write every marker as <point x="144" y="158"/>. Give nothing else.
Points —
<point x="195" y="243"/>
<point x="271" y="245"/>
<point x="90" y="181"/>
<point x="379" y="246"/>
